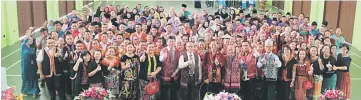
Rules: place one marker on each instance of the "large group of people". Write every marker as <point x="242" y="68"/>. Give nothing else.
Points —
<point x="257" y="55"/>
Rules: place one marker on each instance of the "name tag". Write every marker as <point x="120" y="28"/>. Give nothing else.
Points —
<point x="32" y="62"/>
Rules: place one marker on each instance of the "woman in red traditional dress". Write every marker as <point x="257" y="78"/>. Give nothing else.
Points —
<point x="343" y="67"/>
<point x="302" y="72"/>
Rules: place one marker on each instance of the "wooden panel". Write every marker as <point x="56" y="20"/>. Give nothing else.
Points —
<point x="306" y="8"/>
<point x="70" y="5"/>
<point x="281" y="5"/>
<point x="24" y="16"/>
<point x="85" y="2"/>
<point x="39" y="13"/>
<point x="347" y="18"/>
<point x="296" y="8"/>
<point x="62" y="8"/>
<point x="331" y="13"/>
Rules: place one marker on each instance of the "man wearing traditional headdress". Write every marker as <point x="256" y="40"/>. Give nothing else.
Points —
<point x="269" y="63"/>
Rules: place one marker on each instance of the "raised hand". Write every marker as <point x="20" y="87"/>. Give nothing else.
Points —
<point x="328" y="65"/>
<point x="111" y="65"/>
<point x="98" y="68"/>
<point x="142" y="58"/>
<point x="292" y="83"/>
<point x="216" y="62"/>
<point x="80" y="60"/>
<point x="66" y="54"/>
<point x="275" y="62"/>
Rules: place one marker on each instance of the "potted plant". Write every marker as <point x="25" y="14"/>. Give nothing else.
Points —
<point x="333" y="95"/>
<point x="93" y="93"/>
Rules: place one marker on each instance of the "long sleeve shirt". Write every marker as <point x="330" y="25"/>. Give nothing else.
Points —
<point x="182" y="64"/>
<point x="270" y="66"/>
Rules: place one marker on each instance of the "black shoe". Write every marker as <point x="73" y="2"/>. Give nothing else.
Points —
<point x="42" y="85"/>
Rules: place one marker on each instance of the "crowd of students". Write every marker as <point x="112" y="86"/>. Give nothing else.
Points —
<point x="258" y="55"/>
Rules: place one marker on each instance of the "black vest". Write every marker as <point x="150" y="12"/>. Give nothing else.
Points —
<point x="46" y="63"/>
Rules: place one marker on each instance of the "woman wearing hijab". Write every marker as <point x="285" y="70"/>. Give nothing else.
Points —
<point x="29" y="67"/>
<point x="203" y="30"/>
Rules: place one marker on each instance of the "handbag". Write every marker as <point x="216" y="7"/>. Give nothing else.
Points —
<point x="308" y="84"/>
<point x="152" y="87"/>
<point x="208" y="96"/>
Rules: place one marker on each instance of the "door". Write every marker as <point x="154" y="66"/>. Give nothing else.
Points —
<point x="279" y="4"/>
<point x="347" y="18"/>
<point x="39" y="13"/>
<point x="296" y="8"/>
<point x="306" y="8"/>
<point x="25" y="16"/>
<point x="301" y="7"/>
<point x="62" y="8"/>
<point x="70" y="5"/>
<point x="331" y="13"/>
<point x="86" y="2"/>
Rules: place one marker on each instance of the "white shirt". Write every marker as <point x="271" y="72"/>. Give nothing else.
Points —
<point x="87" y="44"/>
<point x="161" y="55"/>
<point x="40" y="57"/>
<point x="182" y="64"/>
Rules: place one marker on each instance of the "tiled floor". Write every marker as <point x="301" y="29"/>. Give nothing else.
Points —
<point x="11" y="55"/>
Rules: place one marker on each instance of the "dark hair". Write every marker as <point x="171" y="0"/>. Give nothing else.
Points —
<point x="346" y="46"/>
<point x="67" y="33"/>
<point x="84" y="53"/>
<point x="329" y="47"/>
<point x="79" y="42"/>
<point x="246" y="42"/>
<point x="81" y="26"/>
<point x="309" y="50"/>
<point x="287" y="47"/>
<point x="298" y="55"/>
<point x="127" y="39"/>
<point x="43" y="29"/>
<point x="57" y="22"/>
<point x="171" y="37"/>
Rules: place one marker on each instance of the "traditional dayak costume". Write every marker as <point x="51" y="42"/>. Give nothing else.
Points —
<point x="191" y="75"/>
<point x="169" y="85"/>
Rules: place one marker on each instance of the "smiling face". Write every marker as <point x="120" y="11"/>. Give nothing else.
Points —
<point x="86" y="57"/>
<point x="150" y="48"/>
<point x="130" y="48"/>
<point x="313" y="51"/>
<point x="302" y="55"/>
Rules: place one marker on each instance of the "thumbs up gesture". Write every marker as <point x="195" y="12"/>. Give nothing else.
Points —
<point x="66" y="54"/>
<point x="328" y="65"/>
<point x="98" y="68"/>
<point x="142" y="58"/>
<point x="311" y="70"/>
